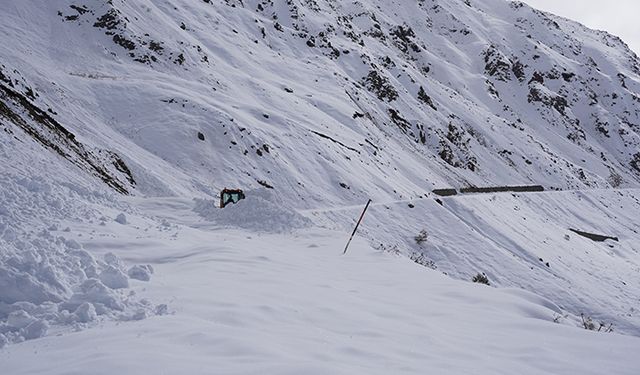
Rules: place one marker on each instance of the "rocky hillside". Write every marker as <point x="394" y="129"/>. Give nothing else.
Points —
<point x="326" y="100"/>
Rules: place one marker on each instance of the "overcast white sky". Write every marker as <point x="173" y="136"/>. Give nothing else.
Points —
<point x="618" y="17"/>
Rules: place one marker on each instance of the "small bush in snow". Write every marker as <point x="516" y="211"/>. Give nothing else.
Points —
<point x="557" y="318"/>
<point x="421" y="237"/>
<point x="481" y="278"/>
<point x="589" y="324"/>
<point x="388" y="249"/>
<point x="422" y="260"/>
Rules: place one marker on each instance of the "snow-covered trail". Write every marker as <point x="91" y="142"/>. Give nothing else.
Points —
<point x="245" y="303"/>
<point x="465" y="195"/>
<point x="175" y="210"/>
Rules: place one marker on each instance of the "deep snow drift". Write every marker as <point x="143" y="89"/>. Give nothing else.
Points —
<point x="262" y="211"/>
<point x="46" y="276"/>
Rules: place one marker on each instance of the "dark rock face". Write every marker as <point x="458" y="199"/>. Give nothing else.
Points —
<point x="380" y="86"/>
<point x="497" y="65"/>
<point x="41" y="127"/>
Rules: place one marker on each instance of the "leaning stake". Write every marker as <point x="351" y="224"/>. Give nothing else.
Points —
<point x="356" y="228"/>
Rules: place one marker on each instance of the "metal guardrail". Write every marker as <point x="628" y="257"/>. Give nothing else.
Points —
<point x="493" y="189"/>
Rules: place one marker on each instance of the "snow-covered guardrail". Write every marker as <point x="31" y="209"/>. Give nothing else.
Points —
<point x="492" y="189"/>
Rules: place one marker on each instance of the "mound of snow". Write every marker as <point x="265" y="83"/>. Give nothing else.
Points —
<point x="43" y="282"/>
<point x="142" y="273"/>
<point x="47" y="278"/>
<point x="261" y="210"/>
<point x="86" y="313"/>
<point x="114" y="278"/>
<point x="121" y="219"/>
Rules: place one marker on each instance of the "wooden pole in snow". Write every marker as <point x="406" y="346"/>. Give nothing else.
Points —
<point x="356" y="228"/>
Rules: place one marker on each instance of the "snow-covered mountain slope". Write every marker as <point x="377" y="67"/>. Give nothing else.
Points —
<point x="324" y="103"/>
<point x="387" y="98"/>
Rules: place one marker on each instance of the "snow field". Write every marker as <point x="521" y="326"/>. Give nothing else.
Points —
<point x="523" y="241"/>
<point x="285" y="304"/>
<point x="245" y="296"/>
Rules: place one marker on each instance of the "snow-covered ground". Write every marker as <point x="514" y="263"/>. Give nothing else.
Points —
<point x="243" y="302"/>
<point x="261" y="286"/>
<point x="521" y="240"/>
